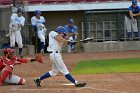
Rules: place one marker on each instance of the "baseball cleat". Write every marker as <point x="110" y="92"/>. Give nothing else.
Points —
<point x="80" y="84"/>
<point x="37" y="82"/>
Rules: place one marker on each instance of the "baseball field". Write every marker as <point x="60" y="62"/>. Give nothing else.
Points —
<point x="104" y="72"/>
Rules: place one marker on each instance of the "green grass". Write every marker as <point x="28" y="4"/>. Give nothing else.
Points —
<point x="108" y="66"/>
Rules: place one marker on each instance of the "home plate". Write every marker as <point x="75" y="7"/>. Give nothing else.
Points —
<point x="69" y="84"/>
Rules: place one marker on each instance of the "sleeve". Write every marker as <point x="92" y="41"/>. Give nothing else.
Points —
<point x="139" y="8"/>
<point x="44" y="22"/>
<point x="22" y="60"/>
<point x="1" y="63"/>
<point x="23" y="21"/>
<point x="33" y="22"/>
<point x="53" y="34"/>
<point x="130" y="8"/>
<point x="75" y="29"/>
<point x="12" y="19"/>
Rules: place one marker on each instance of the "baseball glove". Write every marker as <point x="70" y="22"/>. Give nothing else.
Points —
<point x="38" y="58"/>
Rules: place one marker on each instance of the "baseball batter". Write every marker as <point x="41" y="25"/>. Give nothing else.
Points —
<point x="7" y="63"/>
<point x="73" y="31"/>
<point x="56" y="42"/>
<point x="38" y="23"/>
<point x="16" y="23"/>
<point x="130" y="19"/>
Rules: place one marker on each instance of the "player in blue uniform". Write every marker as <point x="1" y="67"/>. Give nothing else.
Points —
<point x="130" y="19"/>
<point x="38" y="23"/>
<point x="56" y="42"/>
<point x="73" y="30"/>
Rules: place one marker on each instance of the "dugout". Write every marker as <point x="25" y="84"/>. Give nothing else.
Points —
<point x="108" y="28"/>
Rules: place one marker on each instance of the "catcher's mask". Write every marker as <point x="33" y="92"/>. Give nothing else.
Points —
<point x="9" y="52"/>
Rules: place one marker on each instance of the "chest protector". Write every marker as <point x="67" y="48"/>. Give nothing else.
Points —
<point x="9" y="62"/>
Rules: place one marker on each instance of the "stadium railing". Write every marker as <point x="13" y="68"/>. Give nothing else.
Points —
<point x="5" y="2"/>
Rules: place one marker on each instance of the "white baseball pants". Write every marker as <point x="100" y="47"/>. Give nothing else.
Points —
<point x="57" y="64"/>
<point x="130" y="25"/>
<point x="16" y="37"/>
<point x="41" y="35"/>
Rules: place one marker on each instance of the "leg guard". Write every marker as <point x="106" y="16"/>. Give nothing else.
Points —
<point x="6" y="72"/>
<point x="21" y="81"/>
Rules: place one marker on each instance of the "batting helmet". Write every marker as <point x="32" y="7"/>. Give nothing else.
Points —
<point x="71" y="21"/>
<point x="8" y="51"/>
<point x="134" y="2"/>
<point x="20" y="10"/>
<point x="60" y="29"/>
<point x="37" y="12"/>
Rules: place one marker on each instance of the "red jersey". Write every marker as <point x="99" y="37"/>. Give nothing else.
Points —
<point x="12" y="62"/>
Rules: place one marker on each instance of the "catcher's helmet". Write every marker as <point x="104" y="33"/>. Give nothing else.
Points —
<point x="20" y="10"/>
<point x="71" y="21"/>
<point x="37" y="12"/>
<point x="134" y="2"/>
<point x="61" y="29"/>
<point x="8" y="51"/>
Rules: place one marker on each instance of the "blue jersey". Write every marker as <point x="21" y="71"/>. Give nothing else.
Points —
<point x="134" y="10"/>
<point x="71" y="30"/>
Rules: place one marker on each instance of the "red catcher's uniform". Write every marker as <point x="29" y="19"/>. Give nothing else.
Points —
<point x="6" y="68"/>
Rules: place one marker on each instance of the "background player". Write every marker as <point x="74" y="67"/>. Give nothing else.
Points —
<point x="38" y="23"/>
<point x="130" y="19"/>
<point x="7" y="63"/>
<point x="16" y="24"/>
<point x="56" y="42"/>
<point x="72" y="30"/>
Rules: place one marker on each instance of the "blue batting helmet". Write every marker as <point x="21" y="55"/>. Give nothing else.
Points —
<point x="71" y="21"/>
<point x="60" y="29"/>
<point x="37" y="12"/>
<point x="134" y="2"/>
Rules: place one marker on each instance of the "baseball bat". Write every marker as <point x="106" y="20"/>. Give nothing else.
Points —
<point x="83" y="40"/>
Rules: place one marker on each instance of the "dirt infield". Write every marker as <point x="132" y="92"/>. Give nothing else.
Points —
<point x="99" y="83"/>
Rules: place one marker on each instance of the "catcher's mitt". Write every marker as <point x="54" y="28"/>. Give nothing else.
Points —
<point x="38" y="58"/>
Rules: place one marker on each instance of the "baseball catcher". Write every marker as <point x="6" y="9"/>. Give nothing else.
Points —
<point x="7" y="63"/>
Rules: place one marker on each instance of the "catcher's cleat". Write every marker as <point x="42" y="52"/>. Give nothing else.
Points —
<point x="37" y="82"/>
<point x="80" y="84"/>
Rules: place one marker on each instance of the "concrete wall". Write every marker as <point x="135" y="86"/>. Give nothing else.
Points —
<point x="111" y="46"/>
<point x="5" y="14"/>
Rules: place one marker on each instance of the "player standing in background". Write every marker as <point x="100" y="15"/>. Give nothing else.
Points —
<point x="38" y="23"/>
<point x="7" y="63"/>
<point x="73" y="31"/>
<point x="16" y="24"/>
<point x="56" y="42"/>
<point x="130" y="19"/>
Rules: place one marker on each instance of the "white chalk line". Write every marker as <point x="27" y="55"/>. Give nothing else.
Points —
<point x="93" y="88"/>
<point x="87" y="87"/>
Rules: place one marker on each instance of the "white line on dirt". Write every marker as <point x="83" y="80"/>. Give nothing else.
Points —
<point x="88" y="87"/>
<point x="39" y="89"/>
<point x="93" y="88"/>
